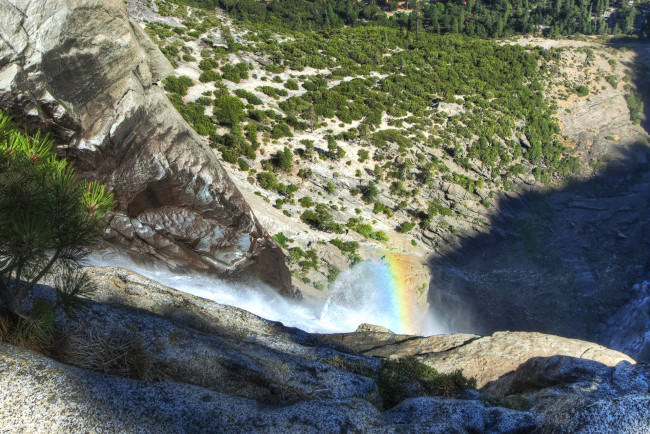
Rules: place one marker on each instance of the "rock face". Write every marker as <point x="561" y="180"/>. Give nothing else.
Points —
<point x="561" y="263"/>
<point x="568" y="394"/>
<point x="485" y="358"/>
<point x="629" y="328"/>
<point x="215" y="368"/>
<point x="84" y="72"/>
<point x="46" y="396"/>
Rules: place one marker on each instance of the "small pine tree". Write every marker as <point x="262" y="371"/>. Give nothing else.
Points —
<point x="47" y="218"/>
<point x="285" y="159"/>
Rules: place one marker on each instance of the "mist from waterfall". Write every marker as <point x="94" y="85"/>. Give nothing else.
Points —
<point x="357" y="296"/>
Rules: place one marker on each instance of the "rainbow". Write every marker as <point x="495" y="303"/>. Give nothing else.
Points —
<point x="402" y="312"/>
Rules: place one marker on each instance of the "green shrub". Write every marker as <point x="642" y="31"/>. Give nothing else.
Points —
<point x="281" y="130"/>
<point x="435" y="208"/>
<point x="235" y="73"/>
<point x="207" y="76"/>
<point x="306" y="202"/>
<point x="305" y="173"/>
<point x="193" y="113"/>
<point x="248" y="96"/>
<point x="228" y="110"/>
<point x="207" y="64"/>
<point x="320" y="218"/>
<point x="178" y="85"/>
<point x="635" y="105"/>
<point x="405" y="227"/>
<point x="295" y="254"/>
<point x="291" y="85"/>
<point x="267" y="180"/>
<point x="370" y="193"/>
<point x="243" y="166"/>
<point x="345" y="246"/>
<point x="284" y="159"/>
<point x="333" y="273"/>
<point x="363" y="155"/>
<point x="204" y="101"/>
<point x="257" y="115"/>
<point x="582" y="90"/>
<point x="408" y="377"/>
<point x="282" y="239"/>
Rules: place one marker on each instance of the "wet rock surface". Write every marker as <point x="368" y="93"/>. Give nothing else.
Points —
<point x="84" y="72"/>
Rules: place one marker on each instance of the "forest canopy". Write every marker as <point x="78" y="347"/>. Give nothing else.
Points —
<point x="479" y="18"/>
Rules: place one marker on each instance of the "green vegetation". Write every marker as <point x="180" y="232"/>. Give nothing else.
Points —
<point x="345" y="246"/>
<point x="178" y="85"/>
<point x="193" y="113"/>
<point x="321" y="219"/>
<point x="306" y="202"/>
<point x="235" y="73"/>
<point x="407" y="377"/>
<point x="282" y="239"/>
<point x="281" y="130"/>
<point x="248" y="96"/>
<point x="207" y="76"/>
<point x="635" y="104"/>
<point x="310" y="261"/>
<point x="47" y="218"/>
<point x="480" y="18"/>
<point x="228" y="110"/>
<point x="582" y="90"/>
<point x="349" y="247"/>
<point x="284" y="160"/>
<point x="412" y="97"/>
<point x="333" y="273"/>
<point x="366" y="230"/>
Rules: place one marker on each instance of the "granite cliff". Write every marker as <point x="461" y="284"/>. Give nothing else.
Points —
<point x="82" y="71"/>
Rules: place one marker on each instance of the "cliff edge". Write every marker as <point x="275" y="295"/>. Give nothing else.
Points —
<point x="84" y="72"/>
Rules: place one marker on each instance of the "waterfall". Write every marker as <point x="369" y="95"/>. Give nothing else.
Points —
<point x="366" y="293"/>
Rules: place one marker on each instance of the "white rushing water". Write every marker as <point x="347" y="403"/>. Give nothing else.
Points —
<point x="358" y="296"/>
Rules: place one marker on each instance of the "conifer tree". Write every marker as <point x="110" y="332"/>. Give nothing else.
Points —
<point x="47" y="219"/>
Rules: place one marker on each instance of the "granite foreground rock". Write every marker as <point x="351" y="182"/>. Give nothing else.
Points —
<point x="82" y="71"/>
<point x="485" y="358"/>
<point x="569" y="394"/>
<point x="215" y="368"/>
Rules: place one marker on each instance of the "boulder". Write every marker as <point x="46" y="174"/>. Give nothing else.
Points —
<point x="41" y="395"/>
<point x="454" y="192"/>
<point x="485" y="358"/>
<point x="85" y="73"/>
<point x="449" y="108"/>
<point x="365" y="327"/>
<point x="540" y="372"/>
<point x="457" y="415"/>
<point x="490" y="357"/>
<point x="569" y="394"/>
